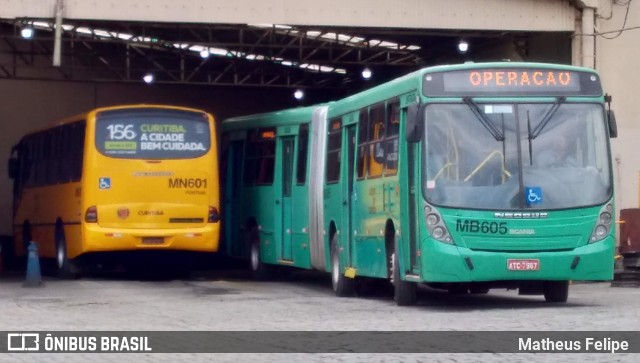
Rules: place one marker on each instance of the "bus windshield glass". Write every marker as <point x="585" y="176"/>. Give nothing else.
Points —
<point x="512" y="156"/>
<point x="149" y="133"/>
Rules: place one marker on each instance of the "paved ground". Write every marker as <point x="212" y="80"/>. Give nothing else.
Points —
<point x="227" y="300"/>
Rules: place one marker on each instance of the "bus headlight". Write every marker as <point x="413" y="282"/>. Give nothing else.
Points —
<point x="438" y="232"/>
<point x="603" y="225"/>
<point x="435" y="225"/>
<point x="600" y="231"/>
<point x="605" y="218"/>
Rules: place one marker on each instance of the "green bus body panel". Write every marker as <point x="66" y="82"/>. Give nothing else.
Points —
<point x="560" y="230"/>
<point x="560" y="241"/>
<point x="376" y="203"/>
<point x="264" y="203"/>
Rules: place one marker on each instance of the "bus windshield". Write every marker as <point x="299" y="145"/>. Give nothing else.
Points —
<point x="152" y="134"/>
<point x="511" y="156"/>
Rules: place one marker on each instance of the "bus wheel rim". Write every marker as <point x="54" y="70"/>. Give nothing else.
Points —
<point x="254" y="257"/>
<point x="335" y="271"/>
<point x="392" y="268"/>
<point x="60" y="255"/>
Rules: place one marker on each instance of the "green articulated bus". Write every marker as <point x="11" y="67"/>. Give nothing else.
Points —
<point x="463" y="177"/>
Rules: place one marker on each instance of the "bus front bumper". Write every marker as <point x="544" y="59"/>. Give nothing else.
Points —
<point x="450" y="263"/>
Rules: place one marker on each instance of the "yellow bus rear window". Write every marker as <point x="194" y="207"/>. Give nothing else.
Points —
<point x="152" y="134"/>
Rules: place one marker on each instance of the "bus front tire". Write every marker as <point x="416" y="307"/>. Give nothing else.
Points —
<point x="556" y="291"/>
<point x="259" y="270"/>
<point x="404" y="292"/>
<point x="342" y="286"/>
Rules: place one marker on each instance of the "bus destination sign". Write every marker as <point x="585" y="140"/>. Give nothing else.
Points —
<point x="512" y="82"/>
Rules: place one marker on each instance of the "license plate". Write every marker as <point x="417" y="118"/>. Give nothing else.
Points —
<point x="152" y="240"/>
<point x="523" y="265"/>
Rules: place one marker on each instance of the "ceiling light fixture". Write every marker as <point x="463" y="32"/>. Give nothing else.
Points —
<point x="27" y="32"/>
<point x="148" y="78"/>
<point x="366" y="73"/>
<point x="463" y="46"/>
<point x="298" y="94"/>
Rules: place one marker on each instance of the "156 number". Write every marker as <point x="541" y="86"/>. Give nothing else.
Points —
<point x="120" y="132"/>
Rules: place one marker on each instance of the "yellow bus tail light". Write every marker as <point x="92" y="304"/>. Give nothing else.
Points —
<point x="91" y="215"/>
<point x="213" y="215"/>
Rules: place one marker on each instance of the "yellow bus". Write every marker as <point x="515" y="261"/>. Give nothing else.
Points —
<point x="124" y="178"/>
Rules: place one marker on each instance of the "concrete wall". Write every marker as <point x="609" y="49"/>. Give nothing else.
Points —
<point x="27" y="105"/>
<point x="618" y="60"/>
<point x="528" y="15"/>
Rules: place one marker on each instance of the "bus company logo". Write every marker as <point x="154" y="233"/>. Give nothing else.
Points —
<point x="521" y="215"/>
<point x="123" y="213"/>
<point x="23" y="342"/>
<point x="151" y="213"/>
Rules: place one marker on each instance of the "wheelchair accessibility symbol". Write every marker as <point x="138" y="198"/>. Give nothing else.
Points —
<point x="533" y="195"/>
<point x="104" y="183"/>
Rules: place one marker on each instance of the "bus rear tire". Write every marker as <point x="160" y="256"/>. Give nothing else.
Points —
<point x="259" y="270"/>
<point x="556" y="291"/>
<point x="66" y="268"/>
<point x="404" y="292"/>
<point x="342" y="286"/>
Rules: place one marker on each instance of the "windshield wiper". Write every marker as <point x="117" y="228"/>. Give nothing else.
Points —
<point x="484" y="120"/>
<point x="529" y="139"/>
<point x="546" y="118"/>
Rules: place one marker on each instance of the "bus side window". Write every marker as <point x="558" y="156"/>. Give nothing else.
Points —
<point x="65" y="154"/>
<point x="77" y="147"/>
<point x="39" y="163"/>
<point x="376" y="135"/>
<point x="266" y="157"/>
<point x="26" y="149"/>
<point x="250" y="157"/>
<point x="303" y="151"/>
<point x="391" y="141"/>
<point x="53" y="172"/>
<point x="363" y="127"/>
<point x="334" y="146"/>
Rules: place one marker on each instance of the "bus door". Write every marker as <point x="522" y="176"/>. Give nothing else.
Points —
<point x="231" y="209"/>
<point x="347" y="192"/>
<point x="411" y="196"/>
<point x="414" y="194"/>
<point x="283" y="204"/>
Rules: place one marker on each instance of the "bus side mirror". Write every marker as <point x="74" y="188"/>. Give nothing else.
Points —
<point x="613" y="126"/>
<point x="414" y="123"/>
<point x="13" y="168"/>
